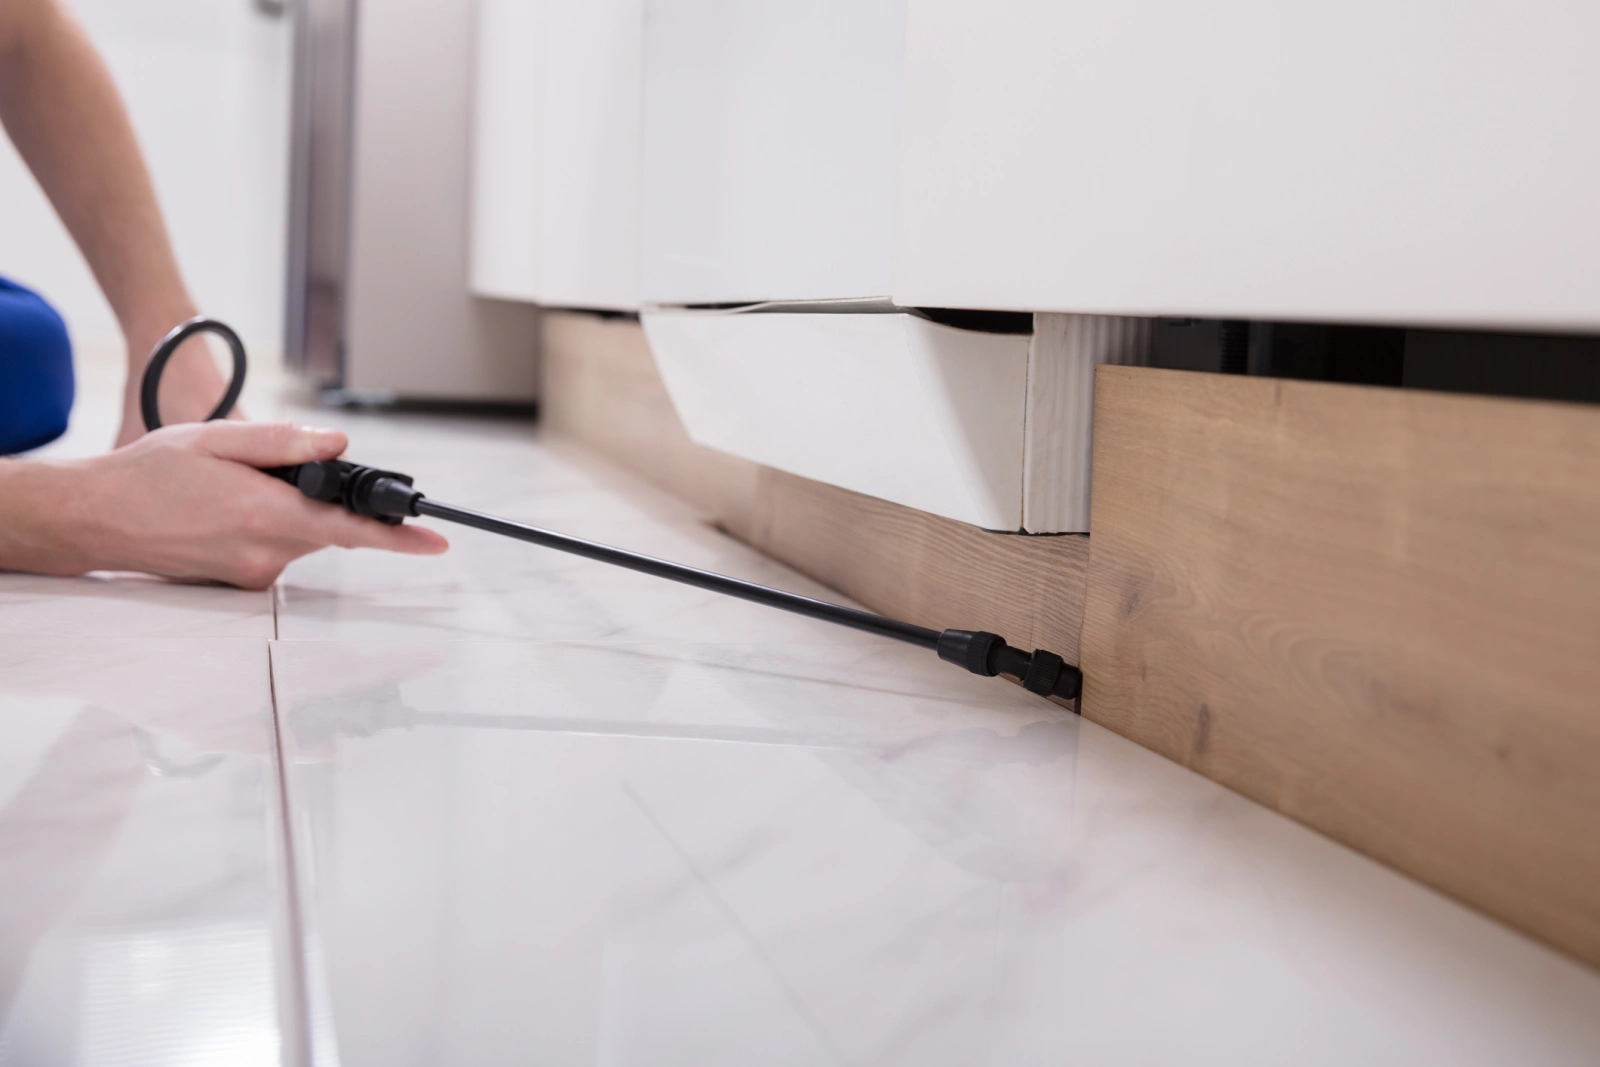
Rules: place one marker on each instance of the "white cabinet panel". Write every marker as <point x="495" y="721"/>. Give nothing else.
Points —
<point x="889" y="404"/>
<point x="991" y="429"/>
<point x="206" y="85"/>
<point x="505" y="152"/>
<point x="1376" y="160"/>
<point x="770" y="134"/>
<point x="556" y="152"/>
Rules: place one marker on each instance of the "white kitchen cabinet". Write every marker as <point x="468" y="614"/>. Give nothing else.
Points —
<point x="1408" y="161"/>
<point x="991" y="429"/>
<point x="770" y="134"/>
<point x="555" y="209"/>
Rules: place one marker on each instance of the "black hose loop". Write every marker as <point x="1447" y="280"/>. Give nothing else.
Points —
<point x="150" y="385"/>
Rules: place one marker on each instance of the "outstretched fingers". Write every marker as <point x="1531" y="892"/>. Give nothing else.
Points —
<point x="329" y="524"/>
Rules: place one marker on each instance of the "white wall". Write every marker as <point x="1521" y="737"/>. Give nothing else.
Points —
<point x="207" y="82"/>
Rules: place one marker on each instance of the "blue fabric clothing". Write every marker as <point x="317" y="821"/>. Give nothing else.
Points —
<point x="36" y="384"/>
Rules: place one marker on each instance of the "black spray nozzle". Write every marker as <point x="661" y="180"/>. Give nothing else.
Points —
<point x="387" y="496"/>
<point x="377" y="494"/>
<point x="988" y="654"/>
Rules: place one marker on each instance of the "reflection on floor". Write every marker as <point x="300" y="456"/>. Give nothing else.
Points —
<point x="539" y="810"/>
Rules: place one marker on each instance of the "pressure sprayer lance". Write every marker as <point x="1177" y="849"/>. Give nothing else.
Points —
<point x="388" y="496"/>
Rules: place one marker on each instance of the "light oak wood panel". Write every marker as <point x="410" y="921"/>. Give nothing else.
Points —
<point x="601" y="387"/>
<point x="1377" y="611"/>
<point x="924" y="569"/>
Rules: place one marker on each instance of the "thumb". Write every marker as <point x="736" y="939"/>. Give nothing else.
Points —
<point x="270" y="444"/>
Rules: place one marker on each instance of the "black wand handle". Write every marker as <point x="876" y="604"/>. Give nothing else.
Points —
<point x="388" y="496"/>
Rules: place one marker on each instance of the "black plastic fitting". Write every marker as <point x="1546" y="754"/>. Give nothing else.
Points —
<point x="972" y="649"/>
<point x="981" y="652"/>
<point x="377" y="494"/>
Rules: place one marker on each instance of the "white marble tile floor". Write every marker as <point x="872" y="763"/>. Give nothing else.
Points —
<point x="141" y="860"/>
<point x="505" y="806"/>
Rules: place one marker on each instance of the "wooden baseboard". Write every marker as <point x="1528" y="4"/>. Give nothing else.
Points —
<point x="1374" y="610"/>
<point x="601" y="388"/>
<point x="927" y="570"/>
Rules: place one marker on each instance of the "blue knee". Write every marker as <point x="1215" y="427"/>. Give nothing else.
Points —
<point x="36" y="383"/>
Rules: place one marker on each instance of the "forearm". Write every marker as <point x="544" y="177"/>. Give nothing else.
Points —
<point x="62" y="111"/>
<point x="38" y="501"/>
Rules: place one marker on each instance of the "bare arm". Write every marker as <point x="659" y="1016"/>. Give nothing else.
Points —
<point x="62" y="111"/>
<point x="186" y="502"/>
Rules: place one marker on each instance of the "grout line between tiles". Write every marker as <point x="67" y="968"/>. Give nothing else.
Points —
<point x="297" y="1043"/>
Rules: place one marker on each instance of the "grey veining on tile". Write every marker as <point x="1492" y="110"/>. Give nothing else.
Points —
<point x="129" y="605"/>
<point x="540" y="810"/>
<point x="643" y="855"/>
<point x="139" y="921"/>
<point x="491" y="587"/>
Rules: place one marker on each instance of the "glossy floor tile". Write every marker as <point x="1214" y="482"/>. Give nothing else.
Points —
<point x="495" y="587"/>
<point x="142" y="889"/>
<point x="516" y="851"/>
<point x="104" y="605"/>
<point x="538" y="810"/>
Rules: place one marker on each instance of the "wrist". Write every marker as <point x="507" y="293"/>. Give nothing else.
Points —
<point x="43" y="503"/>
<point x="143" y="331"/>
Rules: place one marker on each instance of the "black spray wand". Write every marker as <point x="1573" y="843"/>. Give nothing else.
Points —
<point x="388" y="496"/>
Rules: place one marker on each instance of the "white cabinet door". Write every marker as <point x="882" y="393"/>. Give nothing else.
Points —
<point x="1410" y="161"/>
<point x="770" y="133"/>
<point x="556" y="153"/>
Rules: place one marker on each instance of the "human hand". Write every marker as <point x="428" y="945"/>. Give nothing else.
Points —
<point x="187" y="501"/>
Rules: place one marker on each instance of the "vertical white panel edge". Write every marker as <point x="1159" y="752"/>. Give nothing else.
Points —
<point x="1059" y="425"/>
<point x="505" y="156"/>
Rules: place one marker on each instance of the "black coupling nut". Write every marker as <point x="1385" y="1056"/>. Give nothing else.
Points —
<point x="1051" y="676"/>
<point x="972" y="649"/>
<point x="383" y="495"/>
<point x="981" y="652"/>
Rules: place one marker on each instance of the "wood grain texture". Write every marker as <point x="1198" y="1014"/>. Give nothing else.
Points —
<point x="925" y="569"/>
<point x="601" y="388"/>
<point x="1377" y="611"/>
